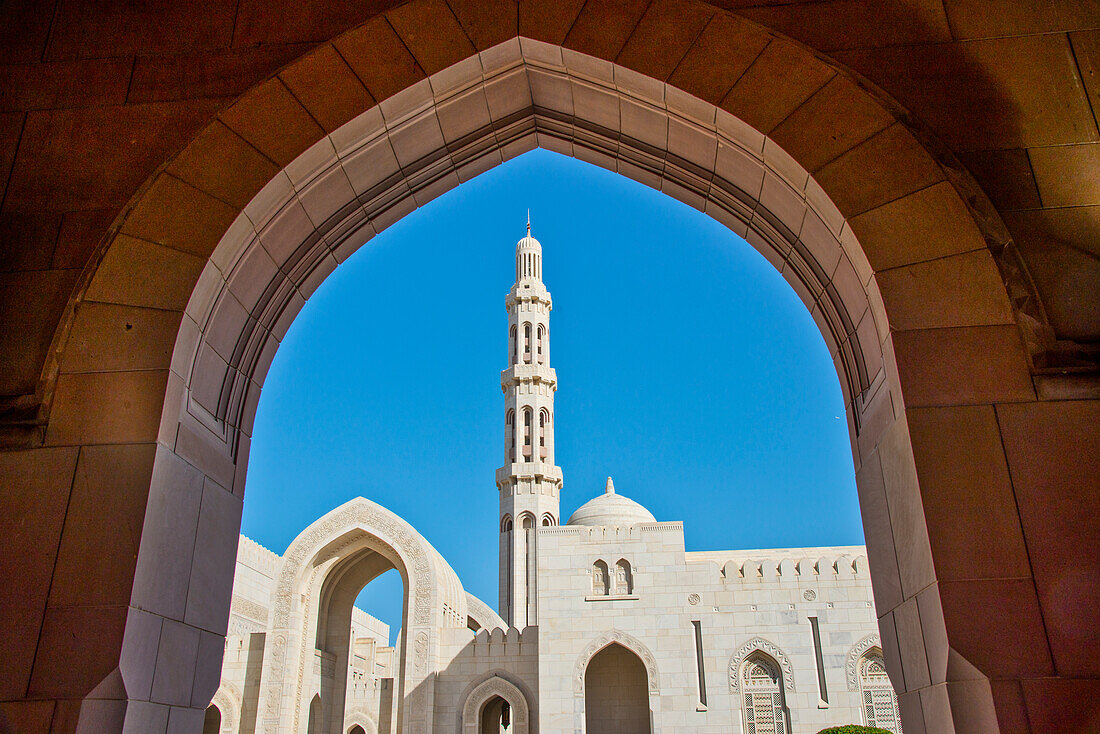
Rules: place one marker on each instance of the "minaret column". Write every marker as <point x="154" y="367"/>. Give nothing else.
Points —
<point x="528" y="484"/>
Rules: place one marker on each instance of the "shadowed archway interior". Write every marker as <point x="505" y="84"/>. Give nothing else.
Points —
<point x="616" y="693"/>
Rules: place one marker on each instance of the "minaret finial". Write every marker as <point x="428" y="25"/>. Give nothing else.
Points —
<point x="610" y="488"/>
<point x="528" y="222"/>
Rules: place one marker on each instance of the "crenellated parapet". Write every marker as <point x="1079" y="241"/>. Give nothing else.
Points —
<point x="500" y="642"/>
<point x="848" y="563"/>
<point x="255" y="556"/>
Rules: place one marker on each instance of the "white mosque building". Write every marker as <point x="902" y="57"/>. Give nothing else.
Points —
<point x="606" y="624"/>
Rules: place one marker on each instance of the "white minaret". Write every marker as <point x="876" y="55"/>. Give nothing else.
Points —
<point x="529" y="482"/>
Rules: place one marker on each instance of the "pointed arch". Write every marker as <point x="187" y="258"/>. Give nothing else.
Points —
<point x="228" y="700"/>
<point x="628" y="641"/>
<point x="768" y="648"/>
<point x="356" y="533"/>
<point x="879" y="702"/>
<point x="624" y="577"/>
<point x="851" y="664"/>
<point x="204" y="415"/>
<point x="495" y="686"/>
<point x="361" y="719"/>
<point x="601" y="578"/>
<point x="763" y="701"/>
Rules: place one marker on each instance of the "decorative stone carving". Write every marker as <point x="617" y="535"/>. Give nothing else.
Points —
<point x="228" y="700"/>
<point x="483" y="692"/>
<point x="851" y="666"/>
<point x="809" y="594"/>
<point x="693" y="599"/>
<point x="249" y="609"/>
<point x="759" y="643"/>
<point x="629" y="642"/>
<point x="420" y="652"/>
<point x="278" y="667"/>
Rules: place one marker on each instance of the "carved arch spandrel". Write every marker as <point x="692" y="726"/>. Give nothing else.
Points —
<point x="768" y="648"/>
<point x="483" y="692"/>
<point x="858" y="650"/>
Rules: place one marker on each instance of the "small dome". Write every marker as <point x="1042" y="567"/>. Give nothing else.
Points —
<point x="611" y="509"/>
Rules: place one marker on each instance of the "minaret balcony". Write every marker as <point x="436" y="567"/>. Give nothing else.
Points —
<point x="528" y="290"/>
<point x="528" y="469"/>
<point x="528" y="373"/>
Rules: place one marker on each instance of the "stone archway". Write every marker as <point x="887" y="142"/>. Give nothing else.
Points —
<point x="354" y="543"/>
<point x="495" y="687"/>
<point x="616" y="698"/>
<point x="874" y="293"/>
<point x="635" y="647"/>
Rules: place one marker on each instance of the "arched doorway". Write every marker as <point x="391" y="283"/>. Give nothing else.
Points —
<point x="496" y="706"/>
<point x="616" y="693"/>
<point x="212" y="721"/>
<point x="316" y="718"/>
<point x="495" y="717"/>
<point x="356" y="729"/>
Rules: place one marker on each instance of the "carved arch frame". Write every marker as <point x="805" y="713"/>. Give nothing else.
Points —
<point x="855" y="654"/>
<point x="759" y="644"/>
<point x="354" y="526"/>
<point x="634" y="645"/>
<point x="360" y="718"/>
<point x="496" y="685"/>
<point x="229" y="702"/>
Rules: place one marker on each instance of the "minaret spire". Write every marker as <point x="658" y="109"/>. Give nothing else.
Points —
<point x="529" y="483"/>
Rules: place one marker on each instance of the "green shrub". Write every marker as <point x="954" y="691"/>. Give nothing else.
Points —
<point x="853" y="729"/>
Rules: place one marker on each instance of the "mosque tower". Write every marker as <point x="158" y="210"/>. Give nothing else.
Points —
<point x="529" y="482"/>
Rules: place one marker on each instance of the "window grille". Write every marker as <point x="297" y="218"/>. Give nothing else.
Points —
<point x="880" y="705"/>
<point x="762" y="697"/>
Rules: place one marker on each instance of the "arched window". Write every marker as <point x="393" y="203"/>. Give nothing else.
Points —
<point x="544" y="421"/>
<point x="624" y="579"/>
<point x="506" y="524"/>
<point x="527" y="431"/>
<point x="513" y="343"/>
<point x="541" y="335"/>
<point x="762" y="696"/>
<point x="527" y="343"/>
<point x="548" y="520"/>
<point x="527" y="521"/>
<point x="510" y="436"/>
<point x="600" y="579"/>
<point x="880" y="704"/>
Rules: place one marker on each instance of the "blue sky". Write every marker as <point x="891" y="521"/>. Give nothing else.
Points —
<point x="688" y="370"/>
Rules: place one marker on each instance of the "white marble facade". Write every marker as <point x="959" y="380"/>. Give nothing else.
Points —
<point x="606" y="623"/>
